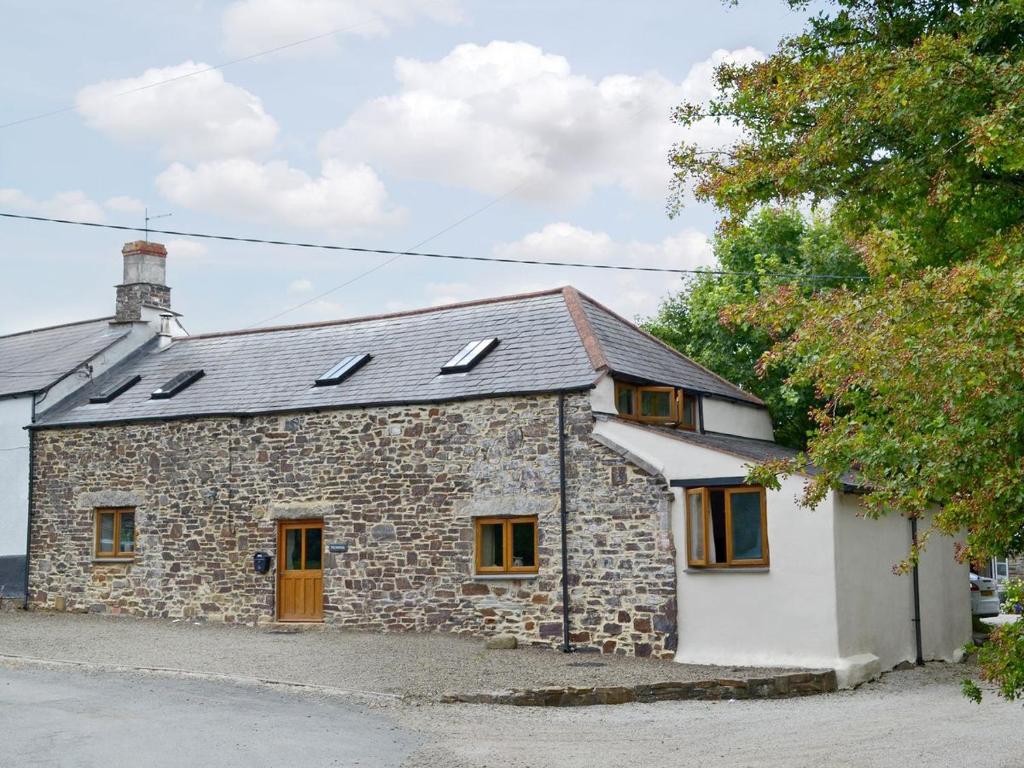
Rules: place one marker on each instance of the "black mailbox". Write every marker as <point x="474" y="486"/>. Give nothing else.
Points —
<point x="261" y="562"/>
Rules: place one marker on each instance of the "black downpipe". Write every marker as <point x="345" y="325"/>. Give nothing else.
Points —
<point x="566" y="647"/>
<point x="31" y="495"/>
<point x="700" y="414"/>
<point x="917" y="595"/>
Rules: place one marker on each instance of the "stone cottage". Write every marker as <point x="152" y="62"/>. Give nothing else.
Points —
<point x="533" y="464"/>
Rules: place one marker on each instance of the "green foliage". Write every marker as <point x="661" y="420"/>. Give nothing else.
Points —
<point x="773" y="242"/>
<point x="1001" y="660"/>
<point x="906" y="116"/>
<point x="1014" y="602"/>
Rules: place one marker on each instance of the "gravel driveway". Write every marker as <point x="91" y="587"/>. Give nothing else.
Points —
<point x="411" y="665"/>
<point x="907" y="719"/>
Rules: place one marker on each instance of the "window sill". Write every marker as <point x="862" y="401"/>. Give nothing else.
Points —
<point x="114" y="560"/>
<point x="504" y="576"/>
<point x="731" y="569"/>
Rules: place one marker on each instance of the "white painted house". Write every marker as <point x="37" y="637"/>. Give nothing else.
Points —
<point x="824" y="593"/>
<point x="41" y="367"/>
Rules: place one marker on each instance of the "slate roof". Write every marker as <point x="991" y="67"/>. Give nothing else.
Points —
<point x="630" y="351"/>
<point x="544" y="346"/>
<point x="33" y="360"/>
<point x="758" y="451"/>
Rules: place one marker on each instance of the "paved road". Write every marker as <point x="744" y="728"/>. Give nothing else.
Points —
<point x="83" y="719"/>
<point x="69" y="717"/>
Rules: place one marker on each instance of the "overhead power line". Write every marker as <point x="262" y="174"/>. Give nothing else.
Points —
<point x="393" y="259"/>
<point x="428" y="255"/>
<point x="223" y="64"/>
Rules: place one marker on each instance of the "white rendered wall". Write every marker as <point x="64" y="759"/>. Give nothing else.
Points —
<point x="15" y="413"/>
<point x="876" y="607"/>
<point x="737" y="419"/>
<point x="602" y="396"/>
<point x="945" y="599"/>
<point x="781" y="616"/>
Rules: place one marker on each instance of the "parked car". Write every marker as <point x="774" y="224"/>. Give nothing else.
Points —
<point x="984" y="600"/>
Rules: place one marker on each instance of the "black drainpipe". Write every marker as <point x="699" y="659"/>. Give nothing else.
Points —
<point x="566" y="647"/>
<point x="917" y="595"/>
<point x="700" y="414"/>
<point x="31" y="494"/>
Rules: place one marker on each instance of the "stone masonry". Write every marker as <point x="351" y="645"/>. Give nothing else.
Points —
<point x="401" y="485"/>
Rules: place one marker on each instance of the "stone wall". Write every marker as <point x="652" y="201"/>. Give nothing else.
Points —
<point x="400" y="485"/>
<point x="130" y="299"/>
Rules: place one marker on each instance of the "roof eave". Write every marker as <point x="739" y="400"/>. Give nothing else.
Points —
<point x="43" y="425"/>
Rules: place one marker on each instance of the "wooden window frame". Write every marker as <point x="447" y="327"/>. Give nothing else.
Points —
<point x="506" y="543"/>
<point x="621" y="387"/>
<point x="680" y="410"/>
<point x="116" y="553"/>
<point x="706" y="563"/>
<point x="703" y="494"/>
<point x="673" y="399"/>
<point x="678" y="396"/>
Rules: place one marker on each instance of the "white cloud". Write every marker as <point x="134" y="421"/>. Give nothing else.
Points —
<point x="74" y="204"/>
<point x="302" y="285"/>
<point x="124" y="204"/>
<point x="629" y="293"/>
<point x="185" y="249"/>
<point x="561" y="241"/>
<point x="190" y="118"/>
<point x="506" y="114"/>
<point x="344" y="197"/>
<point x="315" y="311"/>
<point x="256" y="25"/>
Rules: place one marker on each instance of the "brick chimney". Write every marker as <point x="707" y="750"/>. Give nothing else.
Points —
<point x="145" y="278"/>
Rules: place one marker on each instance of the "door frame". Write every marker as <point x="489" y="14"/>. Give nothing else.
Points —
<point x="282" y="526"/>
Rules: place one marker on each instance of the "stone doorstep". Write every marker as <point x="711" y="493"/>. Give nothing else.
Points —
<point x="291" y="627"/>
<point x="716" y="689"/>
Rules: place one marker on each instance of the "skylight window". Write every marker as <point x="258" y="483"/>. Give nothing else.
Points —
<point x="177" y="383"/>
<point x="469" y="355"/>
<point x="345" y="368"/>
<point x="113" y="391"/>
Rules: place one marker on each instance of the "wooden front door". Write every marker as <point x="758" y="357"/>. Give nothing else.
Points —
<point x="300" y="575"/>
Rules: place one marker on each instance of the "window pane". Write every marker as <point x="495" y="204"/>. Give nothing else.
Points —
<point x="689" y="410"/>
<point x="523" y="536"/>
<point x="314" y="539"/>
<point x="656" y="404"/>
<point x="293" y="549"/>
<point x="746" y="526"/>
<point x="126" y="540"/>
<point x="716" y="540"/>
<point x="624" y="401"/>
<point x="106" y="524"/>
<point x="491" y="555"/>
<point x="696" y="506"/>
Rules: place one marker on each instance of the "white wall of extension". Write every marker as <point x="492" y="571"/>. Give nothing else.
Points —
<point x="829" y="598"/>
<point x="15" y="413"/>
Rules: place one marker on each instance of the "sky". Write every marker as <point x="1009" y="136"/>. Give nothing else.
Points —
<point x="524" y="130"/>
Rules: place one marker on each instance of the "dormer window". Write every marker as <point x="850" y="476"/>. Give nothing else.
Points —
<point x="656" y="405"/>
<point x="469" y="355"/>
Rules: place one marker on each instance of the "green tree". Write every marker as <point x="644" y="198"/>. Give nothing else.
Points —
<point x="907" y="117"/>
<point x="776" y="246"/>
